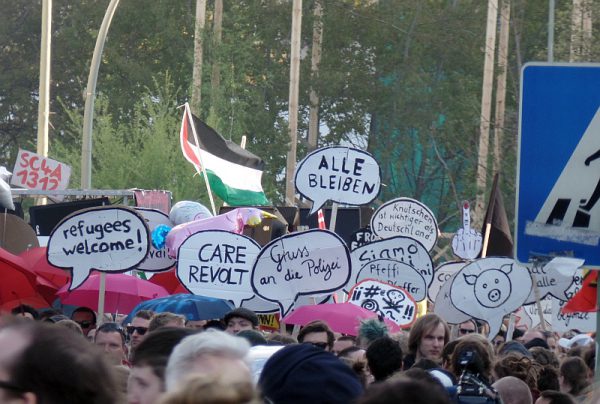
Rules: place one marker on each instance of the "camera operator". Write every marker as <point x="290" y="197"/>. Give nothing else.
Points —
<point x="471" y="363"/>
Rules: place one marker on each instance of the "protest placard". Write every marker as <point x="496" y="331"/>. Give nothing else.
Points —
<point x="217" y="263"/>
<point x="441" y="275"/>
<point x="340" y="174"/>
<point x="108" y="239"/>
<point x="33" y="171"/>
<point x="561" y="322"/>
<point x="405" y="217"/>
<point x="156" y="260"/>
<point x="313" y="262"/>
<point x="554" y="278"/>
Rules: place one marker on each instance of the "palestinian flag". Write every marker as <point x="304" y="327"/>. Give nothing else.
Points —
<point x="234" y="173"/>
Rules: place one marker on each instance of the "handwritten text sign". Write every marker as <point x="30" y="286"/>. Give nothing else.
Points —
<point x="33" y="171"/>
<point x="217" y="263"/>
<point x="314" y="262"/>
<point x="389" y="301"/>
<point x="467" y="241"/>
<point x="361" y="237"/>
<point x="561" y="322"/>
<point x="405" y="217"/>
<point x="490" y="288"/>
<point x="554" y="278"/>
<point x="108" y="239"/>
<point x="401" y="261"/>
<point x="156" y="260"/>
<point x="443" y="274"/>
<point x="340" y="174"/>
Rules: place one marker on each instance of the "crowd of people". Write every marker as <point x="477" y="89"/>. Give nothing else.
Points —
<point x="163" y="358"/>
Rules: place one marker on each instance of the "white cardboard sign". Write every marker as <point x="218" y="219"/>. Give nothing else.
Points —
<point x="340" y="174"/>
<point x="156" y="260"/>
<point x="561" y="322"/>
<point x="217" y="263"/>
<point x="108" y="239"/>
<point x="443" y="274"/>
<point x="313" y="262"/>
<point x="33" y="171"/>
<point x="406" y="217"/>
<point x="554" y="278"/>
<point x="389" y="301"/>
<point x="467" y="241"/>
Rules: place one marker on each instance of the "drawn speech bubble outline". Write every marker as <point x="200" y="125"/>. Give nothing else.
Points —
<point x="218" y="263"/>
<point x="107" y="239"/>
<point x="312" y="262"/>
<point x="339" y="174"/>
<point x="406" y="217"/>
<point x="397" y="274"/>
<point x="441" y="275"/>
<point x="156" y="260"/>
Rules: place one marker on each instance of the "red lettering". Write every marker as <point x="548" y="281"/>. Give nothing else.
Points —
<point x="24" y="162"/>
<point x="57" y="172"/>
<point x="32" y="162"/>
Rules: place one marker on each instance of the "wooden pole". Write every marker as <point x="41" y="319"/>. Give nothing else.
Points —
<point x="215" y="78"/>
<point x="486" y="106"/>
<point x="293" y="100"/>
<point x="44" y="88"/>
<point x="501" y="83"/>
<point x="197" y="69"/>
<point x="313" y="117"/>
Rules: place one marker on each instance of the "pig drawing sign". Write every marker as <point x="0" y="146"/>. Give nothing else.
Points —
<point x="340" y="174"/>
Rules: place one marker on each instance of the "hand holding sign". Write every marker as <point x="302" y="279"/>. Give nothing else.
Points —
<point x="466" y="243"/>
<point x="340" y="174"/>
<point x="109" y="239"/>
<point x="313" y="262"/>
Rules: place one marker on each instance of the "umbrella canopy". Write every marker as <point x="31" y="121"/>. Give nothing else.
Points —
<point x="169" y="281"/>
<point x="193" y="307"/>
<point x="341" y="317"/>
<point x="17" y="284"/>
<point x="37" y="261"/>
<point x="123" y="293"/>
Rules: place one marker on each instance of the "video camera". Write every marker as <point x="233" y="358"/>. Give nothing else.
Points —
<point x="473" y="387"/>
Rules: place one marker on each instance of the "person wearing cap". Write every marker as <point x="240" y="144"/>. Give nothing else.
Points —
<point x="577" y="340"/>
<point x="240" y="319"/>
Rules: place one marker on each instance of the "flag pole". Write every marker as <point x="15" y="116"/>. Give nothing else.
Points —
<point x="199" y="155"/>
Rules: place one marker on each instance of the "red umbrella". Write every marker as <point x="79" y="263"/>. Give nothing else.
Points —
<point x="341" y="317"/>
<point x="17" y="284"/>
<point x="169" y="281"/>
<point x="37" y="260"/>
<point x="123" y="293"/>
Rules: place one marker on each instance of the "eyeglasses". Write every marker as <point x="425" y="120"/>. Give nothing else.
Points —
<point x="464" y="331"/>
<point x="10" y="386"/>
<point x="84" y="323"/>
<point x="140" y="330"/>
<point x="320" y="345"/>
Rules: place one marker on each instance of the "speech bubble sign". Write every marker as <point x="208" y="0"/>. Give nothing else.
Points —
<point x="340" y="174"/>
<point x="405" y="250"/>
<point x="467" y="241"/>
<point x="217" y="263"/>
<point x="258" y="305"/>
<point x="445" y="309"/>
<point x="554" y="278"/>
<point x="156" y="260"/>
<point x="360" y="237"/>
<point x="406" y="217"/>
<point x="389" y="301"/>
<point x="561" y="322"/>
<point x="531" y="316"/>
<point x="108" y="239"/>
<point x="489" y="288"/>
<point x="396" y="273"/>
<point x="443" y="274"/>
<point x="313" y="262"/>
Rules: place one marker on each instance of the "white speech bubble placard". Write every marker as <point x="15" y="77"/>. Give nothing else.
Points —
<point x="401" y="249"/>
<point x="396" y="273"/>
<point x="443" y="274"/>
<point x="406" y="217"/>
<point x="313" y="262"/>
<point x="445" y="309"/>
<point x="108" y="239"/>
<point x="156" y="260"/>
<point x="561" y="322"/>
<point x="554" y="278"/>
<point x="490" y="288"/>
<point x="389" y="301"/>
<point x="217" y="263"/>
<point x="259" y="305"/>
<point x="340" y="174"/>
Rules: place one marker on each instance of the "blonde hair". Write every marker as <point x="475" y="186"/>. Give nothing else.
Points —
<point x="207" y="389"/>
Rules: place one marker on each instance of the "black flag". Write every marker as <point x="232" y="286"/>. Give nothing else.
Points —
<point x="500" y="242"/>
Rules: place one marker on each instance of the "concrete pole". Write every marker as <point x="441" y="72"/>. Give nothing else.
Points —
<point x="44" y="89"/>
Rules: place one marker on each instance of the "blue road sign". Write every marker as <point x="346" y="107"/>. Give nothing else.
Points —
<point x="558" y="175"/>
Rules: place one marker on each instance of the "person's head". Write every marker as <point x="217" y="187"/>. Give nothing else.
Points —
<point x="303" y="373"/>
<point x="317" y="333"/>
<point x="573" y="375"/>
<point x="544" y="357"/>
<point x="137" y="329"/>
<point x="533" y="334"/>
<point x="498" y="340"/>
<point x="211" y="352"/>
<point x="343" y="342"/>
<point x="25" y="311"/>
<point x="149" y="361"/>
<point x="428" y="336"/>
<point x="513" y="390"/>
<point x="240" y="319"/>
<point x="278" y="338"/>
<point x="369" y="330"/>
<point x="519" y="366"/>
<point x="42" y="363"/>
<point x="384" y="357"/>
<point x="85" y="317"/>
<point x="548" y="379"/>
<point x="166" y="319"/>
<point x="352" y="354"/>
<point x="212" y="389"/>
<point x="554" y="397"/>
<point x="110" y="337"/>
<point x="467" y="327"/>
<point x="403" y="390"/>
<point x="254" y="337"/>
<point x="475" y="354"/>
<point x="70" y="325"/>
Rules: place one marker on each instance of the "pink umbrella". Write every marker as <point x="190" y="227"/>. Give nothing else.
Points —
<point x="123" y="293"/>
<point x="341" y="317"/>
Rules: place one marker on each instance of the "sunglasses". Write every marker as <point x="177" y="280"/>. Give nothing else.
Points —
<point x="465" y="331"/>
<point x="320" y="345"/>
<point x="84" y="323"/>
<point x="140" y="330"/>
